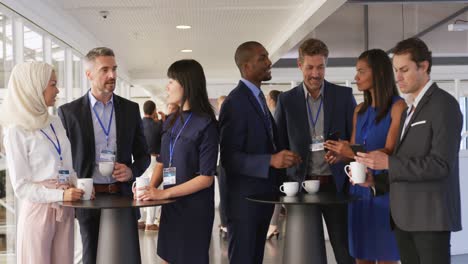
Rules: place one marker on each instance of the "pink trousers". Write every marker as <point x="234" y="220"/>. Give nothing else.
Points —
<point x="45" y="234"/>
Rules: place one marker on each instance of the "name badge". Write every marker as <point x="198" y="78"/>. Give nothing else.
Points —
<point x="107" y="155"/>
<point x="63" y="176"/>
<point x="169" y="176"/>
<point x="317" y="144"/>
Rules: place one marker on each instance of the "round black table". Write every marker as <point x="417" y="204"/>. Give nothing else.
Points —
<point x="118" y="229"/>
<point x="304" y="239"/>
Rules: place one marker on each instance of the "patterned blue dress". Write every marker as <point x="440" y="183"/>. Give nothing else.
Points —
<point x="369" y="231"/>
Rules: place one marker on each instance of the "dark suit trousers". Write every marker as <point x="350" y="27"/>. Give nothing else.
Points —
<point x="429" y="247"/>
<point x="247" y="233"/>
<point x="336" y="219"/>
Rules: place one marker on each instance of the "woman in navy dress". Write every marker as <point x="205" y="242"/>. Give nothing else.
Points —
<point x="376" y="123"/>
<point x="186" y="167"/>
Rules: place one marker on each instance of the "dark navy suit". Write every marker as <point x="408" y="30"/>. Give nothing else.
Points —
<point x="246" y="149"/>
<point x="293" y="132"/>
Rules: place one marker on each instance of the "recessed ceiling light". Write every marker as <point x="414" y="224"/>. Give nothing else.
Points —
<point x="183" y="27"/>
<point x="186" y="50"/>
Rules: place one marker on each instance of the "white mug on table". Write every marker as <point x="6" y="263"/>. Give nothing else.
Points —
<point x="311" y="186"/>
<point x="289" y="188"/>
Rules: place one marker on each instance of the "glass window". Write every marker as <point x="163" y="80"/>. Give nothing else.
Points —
<point x="6" y="50"/>
<point x="7" y="198"/>
<point x="58" y="61"/>
<point x="463" y="89"/>
<point x="33" y="45"/>
<point x="77" y="77"/>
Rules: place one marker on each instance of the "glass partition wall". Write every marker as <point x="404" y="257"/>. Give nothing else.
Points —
<point x="7" y="200"/>
<point x="33" y="42"/>
<point x="20" y="41"/>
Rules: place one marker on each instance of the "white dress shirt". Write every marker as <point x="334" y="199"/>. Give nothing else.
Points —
<point x="32" y="158"/>
<point x="412" y="104"/>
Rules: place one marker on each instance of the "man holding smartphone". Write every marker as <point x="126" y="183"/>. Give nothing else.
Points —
<point x="306" y="116"/>
<point x="423" y="171"/>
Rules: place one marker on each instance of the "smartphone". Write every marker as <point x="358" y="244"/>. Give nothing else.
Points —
<point x="334" y="136"/>
<point x="358" y="148"/>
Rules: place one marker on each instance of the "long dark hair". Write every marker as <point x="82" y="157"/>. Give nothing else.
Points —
<point x="383" y="82"/>
<point x="189" y="73"/>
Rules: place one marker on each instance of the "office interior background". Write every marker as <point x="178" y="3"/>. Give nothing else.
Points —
<point x="146" y="40"/>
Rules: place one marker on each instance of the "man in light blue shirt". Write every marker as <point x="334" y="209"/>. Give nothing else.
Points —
<point x="107" y="141"/>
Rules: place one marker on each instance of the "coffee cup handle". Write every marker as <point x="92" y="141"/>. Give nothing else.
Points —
<point x="303" y="185"/>
<point x="133" y="186"/>
<point x="282" y="190"/>
<point x="346" y="170"/>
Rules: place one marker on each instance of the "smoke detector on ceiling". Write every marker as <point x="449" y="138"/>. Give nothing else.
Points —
<point x="104" y="14"/>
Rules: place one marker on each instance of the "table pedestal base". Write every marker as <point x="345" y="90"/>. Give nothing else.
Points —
<point x="118" y="237"/>
<point x="304" y="235"/>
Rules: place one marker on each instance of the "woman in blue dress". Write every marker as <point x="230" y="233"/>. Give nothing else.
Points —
<point x="376" y="124"/>
<point x="186" y="166"/>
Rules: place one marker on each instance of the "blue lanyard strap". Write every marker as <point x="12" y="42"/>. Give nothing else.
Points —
<point x="314" y="121"/>
<point x="56" y="146"/>
<point x="172" y="144"/>
<point x="106" y="131"/>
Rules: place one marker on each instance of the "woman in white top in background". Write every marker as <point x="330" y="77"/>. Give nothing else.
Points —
<point x="40" y="166"/>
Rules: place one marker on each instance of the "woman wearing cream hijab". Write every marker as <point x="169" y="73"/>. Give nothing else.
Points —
<point x="39" y="160"/>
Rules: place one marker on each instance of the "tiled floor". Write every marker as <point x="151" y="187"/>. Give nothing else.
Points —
<point x="218" y="251"/>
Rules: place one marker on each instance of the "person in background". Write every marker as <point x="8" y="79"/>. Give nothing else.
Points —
<point x="152" y="128"/>
<point x="422" y="172"/>
<point x="273" y="231"/>
<point x="186" y="166"/>
<point x="40" y="166"/>
<point x="221" y="175"/>
<point x="375" y="126"/>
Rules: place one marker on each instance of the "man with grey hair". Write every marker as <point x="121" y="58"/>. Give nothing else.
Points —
<point x="104" y="128"/>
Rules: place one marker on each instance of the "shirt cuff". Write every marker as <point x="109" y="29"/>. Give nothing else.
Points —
<point x="57" y="195"/>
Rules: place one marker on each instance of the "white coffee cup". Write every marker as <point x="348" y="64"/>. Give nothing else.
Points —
<point x="289" y="188"/>
<point x="311" y="186"/>
<point x="106" y="168"/>
<point x="140" y="182"/>
<point x="87" y="186"/>
<point x="358" y="172"/>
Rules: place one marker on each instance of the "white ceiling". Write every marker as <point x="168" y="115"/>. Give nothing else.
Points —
<point x="144" y="37"/>
<point x="143" y="33"/>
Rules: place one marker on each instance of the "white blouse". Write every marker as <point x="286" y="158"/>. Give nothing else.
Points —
<point x="32" y="158"/>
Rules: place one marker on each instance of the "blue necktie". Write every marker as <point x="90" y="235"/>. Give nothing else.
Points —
<point x="266" y="118"/>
